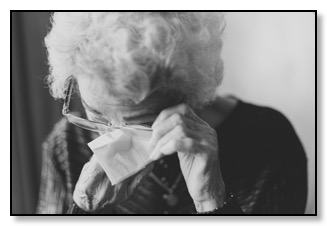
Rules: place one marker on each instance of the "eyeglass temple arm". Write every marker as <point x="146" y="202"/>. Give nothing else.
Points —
<point x="65" y="109"/>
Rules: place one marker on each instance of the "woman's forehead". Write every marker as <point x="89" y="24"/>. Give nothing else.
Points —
<point x="130" y="114"/>
<point x="142" y="113"/>
<point x="97" y="100"/>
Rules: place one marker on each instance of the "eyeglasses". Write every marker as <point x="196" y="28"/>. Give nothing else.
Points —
<point x="92" y="125"/>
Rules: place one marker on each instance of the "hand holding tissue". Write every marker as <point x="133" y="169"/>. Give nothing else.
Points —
<point x="122" y="152"/>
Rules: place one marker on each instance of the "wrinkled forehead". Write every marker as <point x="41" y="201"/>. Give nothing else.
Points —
<point x="98" y="102"/>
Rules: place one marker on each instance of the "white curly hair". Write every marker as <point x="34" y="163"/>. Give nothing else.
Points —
<point x="136" y="52"/>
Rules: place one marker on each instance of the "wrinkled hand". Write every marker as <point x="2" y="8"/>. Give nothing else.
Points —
<point x="94" y="191"/>
<point x="179" y="129"/>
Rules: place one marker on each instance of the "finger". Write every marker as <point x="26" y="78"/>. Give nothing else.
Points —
<point x="178" y="133"/>
<point x="186" y="145"/>
<point x="165" y="114"/>
<point x="188" y="128"/>
<point x="163" y="127"/>
<point x="181" y="109"/>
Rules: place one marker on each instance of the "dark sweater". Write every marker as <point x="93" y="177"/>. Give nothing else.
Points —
<point x="262" y="161"/>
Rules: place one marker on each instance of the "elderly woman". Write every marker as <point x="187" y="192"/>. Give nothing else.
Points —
<point x="155" y="138"/>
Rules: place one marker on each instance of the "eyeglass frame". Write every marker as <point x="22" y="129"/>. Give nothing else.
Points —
<point x="109" y="126"/>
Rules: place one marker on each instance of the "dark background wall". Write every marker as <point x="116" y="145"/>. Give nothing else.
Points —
<point x="33" y="111"/>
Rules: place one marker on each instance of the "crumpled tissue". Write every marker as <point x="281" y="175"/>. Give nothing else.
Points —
<point x="122" y="152"/>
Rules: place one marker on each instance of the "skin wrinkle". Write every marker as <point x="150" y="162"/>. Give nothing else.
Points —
<point x="138" y="117"/>
<point x="142" y="113"/>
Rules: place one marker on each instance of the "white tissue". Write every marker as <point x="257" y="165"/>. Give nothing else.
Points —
<point x="122" y="152"/>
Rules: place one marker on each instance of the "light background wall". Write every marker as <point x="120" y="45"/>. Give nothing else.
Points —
<point x="270" y="60"/>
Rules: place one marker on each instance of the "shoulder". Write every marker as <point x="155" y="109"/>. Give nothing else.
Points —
<point x="262" y="118"/>
<point x="264" y="131"/>
<point x="233" y="111"/>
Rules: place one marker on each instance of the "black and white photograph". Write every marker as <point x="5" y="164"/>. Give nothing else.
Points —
<point x="163" y="113"/>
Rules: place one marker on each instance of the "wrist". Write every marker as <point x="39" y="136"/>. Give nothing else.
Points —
<point x="205" y="206"/>
<point x="86" y="203"/>
<point x="77" y="202"/>
<point x="76" y="210"/>
<point x="227" y="207"/>
<point x="211" y="201"/>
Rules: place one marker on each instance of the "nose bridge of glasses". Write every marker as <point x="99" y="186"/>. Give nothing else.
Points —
<point x="64" y="111"/>
<point x="132" y="127"/>
<point x="113" y="125"/>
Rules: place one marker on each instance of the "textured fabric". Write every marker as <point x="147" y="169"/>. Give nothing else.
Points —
<point x="262" y="161"/>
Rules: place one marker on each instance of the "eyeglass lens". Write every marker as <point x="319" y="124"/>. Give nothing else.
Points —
<point x="85" y="124"/>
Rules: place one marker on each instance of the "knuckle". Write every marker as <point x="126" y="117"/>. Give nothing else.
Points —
<point x="164" y="113"/>
<point x="157" y="133"/>
<point x="189" y="143"/>
<point x="181" y="130"/>
<point x="183" y="107"/>
<point x="159" y="144"/>
<point x="178" y="118"/>
<point x="176" y="145"/>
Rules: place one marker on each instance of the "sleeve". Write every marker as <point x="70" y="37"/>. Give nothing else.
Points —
<point x="55" y="196"/>
<point x="281" y="187"/>
<point x="283" y="192"/>
<point x="231" y="207"/>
